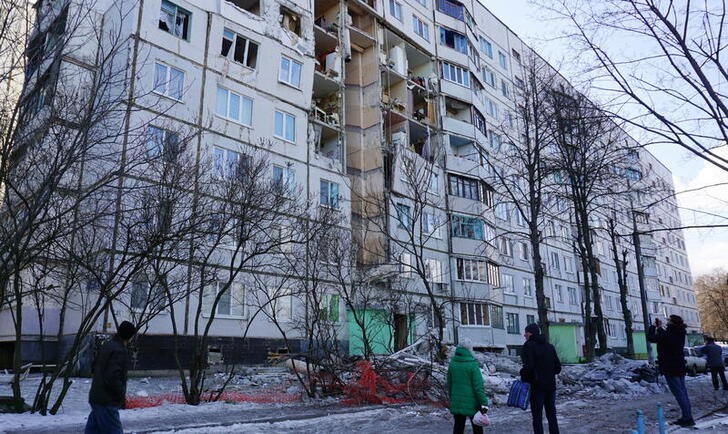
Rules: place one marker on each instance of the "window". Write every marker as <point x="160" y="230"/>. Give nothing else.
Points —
<point x="454" y="40"/>
<point x="520" y="221"/>
<point x="434" y="183"/>
<point x="284" y="178"/>
<point x="456" y="74"/>
<point x="523" y="251"/>
<point x="420" y="28"/>
<point x="451" y="8"/>
<point x="139" y="296"/>
<point x="516" y="55"/>
<point x="290" y="20"/>
<point x="241" y="49"/>
<point x="234" y="107"/>
<point x="471" y="270"/>
<point x="502" y="60"/>
<point x="505" y="90"/>
<point x="555" y="261"/>
<point x="527" y="287"/>
<point x="290" y="72"/>
<point x="231" y="299"/>
<point x="501" y="211"/>
<point x="506" y="246"/>
<point x="395" y="9"/>
<point x="160" y="142"/>
<point x="329" y="308"/>
<point x="512" y="325"/>
<point x="433" y="270"/>
<point x="478" y="120"/>
<point x="281" y="304"/>
<point x="431" y="224"/>
<point x="573" y="300"/>
<point x="568" y="265"/>
<point x="226" y="163"/>
<point x="405" y="264"/>
<point x="486" y="47"/>
<point x="476" y="314"/>
<point x="507" y="283"/>
<point x="489" y="76"/>
<point x="467" y="227"/>
<point x="404" y="216"/>
<point x="491" y="108"/>
<point x="168" y="81"/>
<point x="490" y="233"/>
<point x="470" y="188"/>
<point x="284" y="126"/>
<point x="530" y="319"/>
<point x="422" y="2"/>
<point x="281" y="237"/>
<point x="329" y="194"/>
<point x="559" y="293"/>
<point x="493" y="274"/>
<point x="174" y="20"/>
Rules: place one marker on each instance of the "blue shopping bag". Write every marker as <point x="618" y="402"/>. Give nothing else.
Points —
<point x="518" y="395"/>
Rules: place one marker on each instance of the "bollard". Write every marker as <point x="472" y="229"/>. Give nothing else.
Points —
<point x="640" y="422"/>
<point x="660" y="419"/>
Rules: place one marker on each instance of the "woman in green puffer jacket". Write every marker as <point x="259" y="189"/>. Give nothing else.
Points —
<point x="465" y="389"/>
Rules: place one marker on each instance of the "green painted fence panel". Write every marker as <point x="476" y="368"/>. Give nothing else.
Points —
<point x="379" y="332"/>
<point x="563" y="338"/>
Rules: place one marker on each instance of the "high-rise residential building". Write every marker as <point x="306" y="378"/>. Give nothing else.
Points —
<point x="388" y="110"/>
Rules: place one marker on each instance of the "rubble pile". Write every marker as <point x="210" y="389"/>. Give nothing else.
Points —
<point x="611" y="375"/>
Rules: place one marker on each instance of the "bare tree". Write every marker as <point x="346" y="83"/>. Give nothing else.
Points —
<point x="711" y="291"/>
<point x="520" y="168"/>
<point x="671" y="80"/>
<point x="619" y="255"/>
<point x="589" y="146"/>
<point x="413" y="224"/>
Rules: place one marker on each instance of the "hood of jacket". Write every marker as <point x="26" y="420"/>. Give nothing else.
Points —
<point x="463" y="354"/>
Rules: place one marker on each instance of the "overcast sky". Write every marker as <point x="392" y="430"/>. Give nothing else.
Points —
<point x="707" y="248"/>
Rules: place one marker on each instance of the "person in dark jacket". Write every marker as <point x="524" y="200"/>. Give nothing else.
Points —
<point x="465" y="389"/>
<point x="108" y="387"/>
<point x="671" y="361"/>
<point x="540" y="367"/>
<point x="714" y="355"/>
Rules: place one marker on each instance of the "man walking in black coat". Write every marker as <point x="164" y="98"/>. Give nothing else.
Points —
<point x="714" y="356"/>
<point x="108" y="387"/>
<point x="540" y="367"/>
<point x="671" y="361"/>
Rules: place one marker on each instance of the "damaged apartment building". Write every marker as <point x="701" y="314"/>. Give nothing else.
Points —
<point x="350" y="96"/>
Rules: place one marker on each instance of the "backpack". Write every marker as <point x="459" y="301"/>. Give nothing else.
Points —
<point x="519" y="394"/>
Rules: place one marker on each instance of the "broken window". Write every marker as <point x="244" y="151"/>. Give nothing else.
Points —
<point x="252" y="6"/>
<point x="175" y="20"/>
<point x="243" y="50"/>
<point x="290" y="21"/>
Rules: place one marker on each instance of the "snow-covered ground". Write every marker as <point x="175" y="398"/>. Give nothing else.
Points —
<point x="594" y="398"/>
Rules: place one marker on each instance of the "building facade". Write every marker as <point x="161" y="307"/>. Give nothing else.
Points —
<point x="363" y="103"/>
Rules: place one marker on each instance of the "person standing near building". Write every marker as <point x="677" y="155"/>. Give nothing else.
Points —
<point x="108" y="387"/>
<point x="714" y="355"/>
<point x="541" y="364"/>
<point x="671" y="361"/>
<point x="465" y="389"/>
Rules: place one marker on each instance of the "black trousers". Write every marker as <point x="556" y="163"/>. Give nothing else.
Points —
<point x="459" y="427"/>
<point x="539" y="400"/>
<point x="718" y="372"/>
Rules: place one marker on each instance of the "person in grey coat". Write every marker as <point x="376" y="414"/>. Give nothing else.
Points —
<point x="108" y="387"/>
<point x="714" y="354"/>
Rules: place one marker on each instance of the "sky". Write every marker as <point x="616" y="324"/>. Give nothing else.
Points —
<point x="707" y="248"/>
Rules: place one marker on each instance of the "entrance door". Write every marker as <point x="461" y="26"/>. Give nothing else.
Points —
<point x="401" y="332"/>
